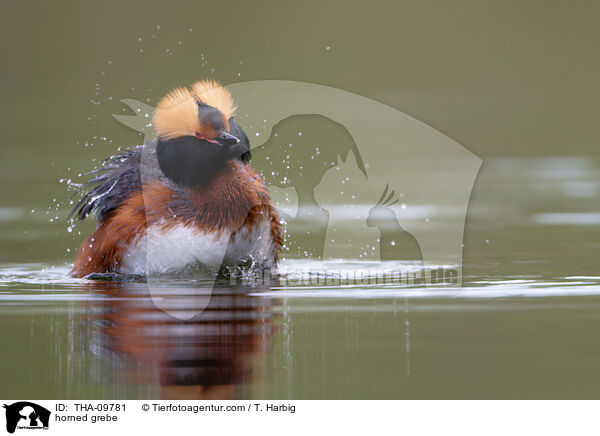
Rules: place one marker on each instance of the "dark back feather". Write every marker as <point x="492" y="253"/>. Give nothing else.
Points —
<point x="112" y="184"/>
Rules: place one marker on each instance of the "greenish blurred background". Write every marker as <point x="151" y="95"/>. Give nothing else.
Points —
<point x="501" y="78"/>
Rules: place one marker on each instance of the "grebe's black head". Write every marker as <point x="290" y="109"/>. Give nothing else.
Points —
<point x="197" y="134"/>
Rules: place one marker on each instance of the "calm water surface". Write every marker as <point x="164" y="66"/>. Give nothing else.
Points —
<point x="524" y="324"/>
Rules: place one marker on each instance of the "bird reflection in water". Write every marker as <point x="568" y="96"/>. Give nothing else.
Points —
<point x="211" y="355"/>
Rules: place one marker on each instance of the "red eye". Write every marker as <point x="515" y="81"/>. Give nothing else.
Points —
<point x="201" y="136"/>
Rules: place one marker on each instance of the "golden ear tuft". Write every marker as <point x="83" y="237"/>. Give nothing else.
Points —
<point x="176" y="114"/>
<point x="214" y="94"/>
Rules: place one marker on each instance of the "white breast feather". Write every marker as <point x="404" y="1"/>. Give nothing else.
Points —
<point x="163" y="251"/>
